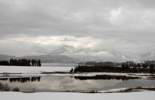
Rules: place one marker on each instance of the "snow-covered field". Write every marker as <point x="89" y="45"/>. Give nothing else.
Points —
<point x="147" y="95"/>
<point x="24" y="69"/>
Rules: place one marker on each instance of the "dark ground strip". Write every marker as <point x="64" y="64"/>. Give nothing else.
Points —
<point x="109" y="77"/>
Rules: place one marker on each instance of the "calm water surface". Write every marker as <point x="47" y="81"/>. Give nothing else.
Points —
<point x="66" y="82"/>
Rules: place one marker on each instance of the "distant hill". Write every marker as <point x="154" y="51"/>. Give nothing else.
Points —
<point x="53" y="58"/>
<point x="44" y="58"/>
<point x="5" y="57"/>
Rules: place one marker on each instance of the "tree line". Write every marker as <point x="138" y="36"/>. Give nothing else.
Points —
<point x="21" y="62"/>
<point x="124" y="67"/>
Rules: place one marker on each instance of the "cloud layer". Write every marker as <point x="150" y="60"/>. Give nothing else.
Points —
<point x="103" y="29"/>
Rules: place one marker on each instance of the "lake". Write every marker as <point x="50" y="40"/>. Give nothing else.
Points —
<point x="32" y="79"/>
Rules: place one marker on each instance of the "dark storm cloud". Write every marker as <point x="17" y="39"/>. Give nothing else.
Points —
<point x="31" y="14"/>
<point x="65" y="17"/>
<point x="122" y="28"/>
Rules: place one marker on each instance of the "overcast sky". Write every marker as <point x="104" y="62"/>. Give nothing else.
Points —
<point x="107" y="29"/>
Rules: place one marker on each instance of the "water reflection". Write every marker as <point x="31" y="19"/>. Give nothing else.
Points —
<point x="21" y="79"/>
<point x="67" y="83"/>
<point x="24" y="79"/>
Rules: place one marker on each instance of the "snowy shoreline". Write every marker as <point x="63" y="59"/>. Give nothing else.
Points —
<point x="146" y="95"/>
